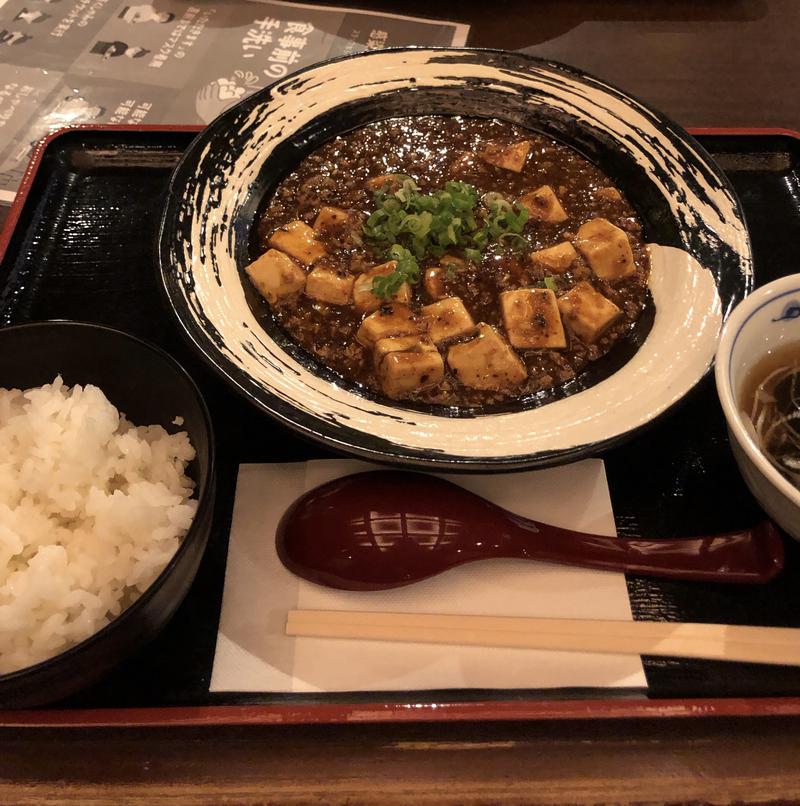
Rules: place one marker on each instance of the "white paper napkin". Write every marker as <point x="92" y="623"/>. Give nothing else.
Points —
<point x="254" y="654"/>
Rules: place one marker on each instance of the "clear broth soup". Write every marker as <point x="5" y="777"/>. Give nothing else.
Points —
<point x="771" y="401"/>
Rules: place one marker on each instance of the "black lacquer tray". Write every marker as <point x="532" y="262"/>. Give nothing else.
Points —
<point x="79" y="245"/>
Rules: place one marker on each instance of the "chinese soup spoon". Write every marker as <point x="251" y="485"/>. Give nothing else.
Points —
<point x="383" y="529"/>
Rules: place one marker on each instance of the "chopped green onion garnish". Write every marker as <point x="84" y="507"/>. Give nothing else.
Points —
<point x="409" y="226"/>
<point x="473" y="255"/>
<point x="406" y="271"/>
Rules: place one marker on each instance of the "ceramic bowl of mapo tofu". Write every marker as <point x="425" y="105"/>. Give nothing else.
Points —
<point x="468" y="259"/>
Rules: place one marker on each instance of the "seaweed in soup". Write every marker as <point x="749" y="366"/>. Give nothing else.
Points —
<point x="772" y="402"/>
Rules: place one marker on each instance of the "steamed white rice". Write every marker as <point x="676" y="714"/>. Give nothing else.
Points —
<point x="92" y="509"/>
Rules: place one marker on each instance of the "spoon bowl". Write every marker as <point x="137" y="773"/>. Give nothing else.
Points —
<point x="384" y="529"/>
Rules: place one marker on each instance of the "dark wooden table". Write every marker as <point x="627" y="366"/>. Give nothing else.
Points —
<point x="706" y="63"/>
<point x="678" y="761"/>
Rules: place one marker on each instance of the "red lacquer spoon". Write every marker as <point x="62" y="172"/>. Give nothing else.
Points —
<point x="383" y="529"/>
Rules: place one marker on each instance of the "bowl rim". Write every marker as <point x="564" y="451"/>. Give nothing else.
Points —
<point x="205" y="496"/>
<point x="399" y="455"/>
<point x="742" y="317"/>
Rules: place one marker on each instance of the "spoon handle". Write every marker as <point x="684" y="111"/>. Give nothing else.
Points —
<point x="750" y="555"/>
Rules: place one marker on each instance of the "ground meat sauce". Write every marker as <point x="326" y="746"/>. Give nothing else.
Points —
<point x="434" y="150"/>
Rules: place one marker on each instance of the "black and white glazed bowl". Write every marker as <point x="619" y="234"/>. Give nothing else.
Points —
<point x="699" y="247"/>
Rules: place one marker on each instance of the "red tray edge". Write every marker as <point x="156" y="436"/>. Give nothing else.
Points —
<point x="365" y="713"/>
<point x="323" y="713"/>
<point x="36" y="159"/>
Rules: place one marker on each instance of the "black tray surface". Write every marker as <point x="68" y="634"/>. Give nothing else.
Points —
<point x="83" y="248"/>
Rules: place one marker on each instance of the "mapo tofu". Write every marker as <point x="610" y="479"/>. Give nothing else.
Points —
<point x="453" y="261"/>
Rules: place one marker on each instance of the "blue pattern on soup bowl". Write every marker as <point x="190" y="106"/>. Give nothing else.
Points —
<point x="790" y="311"/>
<point x="766" y="321"/>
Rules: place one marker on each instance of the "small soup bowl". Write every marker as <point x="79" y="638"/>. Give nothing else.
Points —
<point x="766" y="321"/>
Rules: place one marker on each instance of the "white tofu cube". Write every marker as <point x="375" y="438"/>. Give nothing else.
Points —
<point x="447" y="319"/>
<point x="299" y="241"/>
<point x="543" y="205"/>
<point x="486" y="362"/>
<point x="451" y="263"/>
<point x="276" y="275"/>
<point x="435" y="277"/>
<point x="330" y="218"/>
<point x="328" y="285"/>
<point x="433" y="281"/>
<point x="586" y="312"/>
<point x="608" y="194"/>
<point x="556" y="259"/>
<point x="606" y="249"/>
<point x="401" y="344"/>
<point x="511" y="157"/>
<point x="365" y="301"/>
<point x="407" y="365"/>
<point x="392" y="319"/>
<point x="532" y="320"/>
<point x="390" y="181"/>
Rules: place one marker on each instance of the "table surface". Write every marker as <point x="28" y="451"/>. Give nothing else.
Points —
<point x="721" y="63"/>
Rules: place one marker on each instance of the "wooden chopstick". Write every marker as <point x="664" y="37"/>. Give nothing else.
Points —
<point x="775" y="645"/>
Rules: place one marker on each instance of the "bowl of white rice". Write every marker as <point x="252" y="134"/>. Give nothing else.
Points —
<point x="106" y="499"/>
